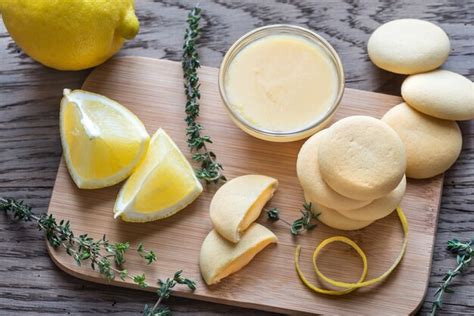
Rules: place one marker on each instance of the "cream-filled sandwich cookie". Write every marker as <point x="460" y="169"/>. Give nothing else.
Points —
<point x="220" y="258"/>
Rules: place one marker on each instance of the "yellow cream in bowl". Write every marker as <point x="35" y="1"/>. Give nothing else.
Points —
<point x="282" y="83"/>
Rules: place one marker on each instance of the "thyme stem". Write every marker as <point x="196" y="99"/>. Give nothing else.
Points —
<point x="464" y="253"/>
<point x="301" y="224"/>
<point x="101" y="254"/>
<point x="155" y="307"/>
<point x="210" y="170"/>
<point x="164" y="292"/>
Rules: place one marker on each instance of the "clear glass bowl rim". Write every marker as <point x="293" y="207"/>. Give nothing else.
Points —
<point x="275" y="29"/>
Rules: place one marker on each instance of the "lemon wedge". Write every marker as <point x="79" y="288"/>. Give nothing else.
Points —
<point x="163" y="184"/>
<point x="102" y="140"/>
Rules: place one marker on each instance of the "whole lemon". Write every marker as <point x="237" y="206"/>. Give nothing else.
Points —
<point x="70" y="34"/>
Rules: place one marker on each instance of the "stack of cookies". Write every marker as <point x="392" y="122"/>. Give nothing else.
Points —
<point x="434" y="98"/>
<point x="353" y="172"/>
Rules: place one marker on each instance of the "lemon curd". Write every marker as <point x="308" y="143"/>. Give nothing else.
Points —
<point x="282" y="85"/>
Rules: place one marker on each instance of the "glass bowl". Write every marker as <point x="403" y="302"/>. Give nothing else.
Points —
<point x="290" y="135"/>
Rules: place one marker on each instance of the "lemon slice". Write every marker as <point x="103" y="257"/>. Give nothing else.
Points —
<point x="163" y="184"/>
<point x="102" y="140"/>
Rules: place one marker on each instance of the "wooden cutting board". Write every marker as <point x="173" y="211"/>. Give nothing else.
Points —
<point x="153" y="90"/>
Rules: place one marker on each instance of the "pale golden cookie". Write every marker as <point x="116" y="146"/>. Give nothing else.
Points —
<point x="432" y="144"/>
<point x="379" y="208"/>
<point x="362" y="158"/>
<point x="307" y="168"/>
<point x="408" y="46"/>
<point x="220" y="258"/>
<point x="441" y="93"/>
<point x="333" y="219"/>
<point x="238" y="203"/>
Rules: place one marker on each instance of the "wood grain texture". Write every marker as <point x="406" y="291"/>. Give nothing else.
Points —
<point x="30" y="284"/>
<point x="152" y="89"/>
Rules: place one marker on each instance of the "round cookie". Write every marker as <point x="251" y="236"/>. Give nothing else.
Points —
<point x="362" y="158"/>
<point x="432" y="144"/>
<point x="307" y="168"/>
<point x="441" y="93"/>
<point x="379" y="208"/>
<point x="408" y="46"/>
<point x="331" y="218"/>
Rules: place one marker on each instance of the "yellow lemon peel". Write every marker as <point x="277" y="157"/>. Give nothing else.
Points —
<point x="73" y="34"/>
<point x="349" y="287"/>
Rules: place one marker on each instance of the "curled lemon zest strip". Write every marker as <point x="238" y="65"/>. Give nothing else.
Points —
<point x="349" y="287"/>
<point x="325" y="242"/>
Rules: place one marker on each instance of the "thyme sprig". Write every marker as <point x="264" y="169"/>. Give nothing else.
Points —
<point x="210" y="171"/>
<point x="164" y="292"/>
<point x="103" y="256"/>
<point x="301" y="224"/>
<point x="464" y="253"/>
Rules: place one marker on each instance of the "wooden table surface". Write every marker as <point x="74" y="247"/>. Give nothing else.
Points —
<point x="30" y="150"/>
